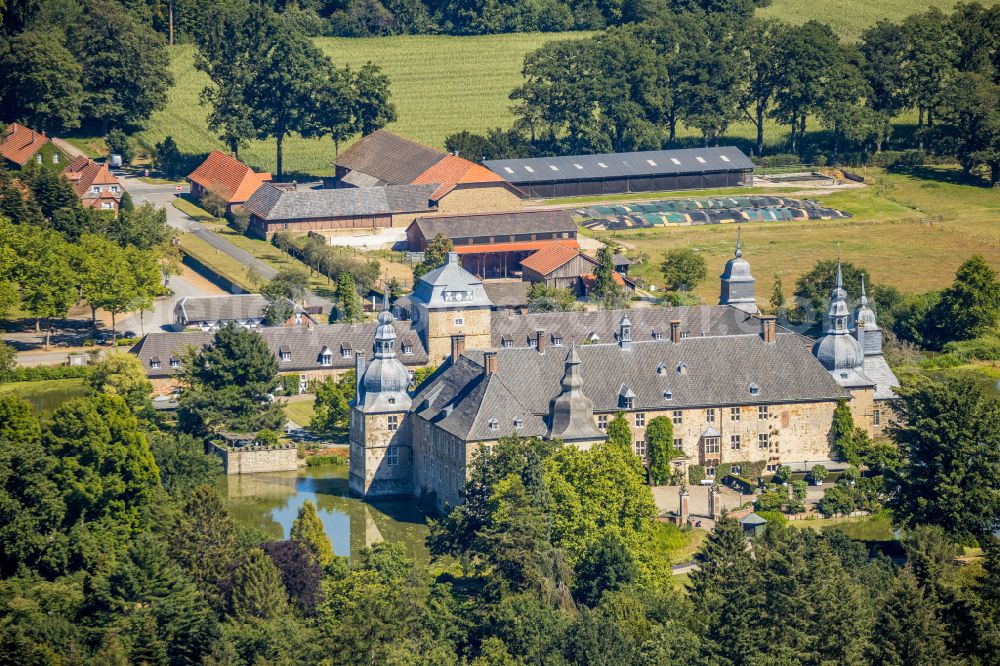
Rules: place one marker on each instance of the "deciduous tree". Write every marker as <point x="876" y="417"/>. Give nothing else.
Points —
<point x="683" y="269"/>
<point x="40" y="82"/>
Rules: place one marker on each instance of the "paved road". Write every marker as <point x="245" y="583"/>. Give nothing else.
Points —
<point x="188" y="283"/>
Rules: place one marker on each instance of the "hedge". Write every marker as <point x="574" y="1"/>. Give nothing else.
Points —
<point x="39" y="373"/>
<point x="696" y="474"/>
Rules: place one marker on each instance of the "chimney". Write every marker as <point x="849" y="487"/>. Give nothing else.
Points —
<point x="540" y="340"/>
<point x="457" y="347"/>
<point x="675" y="331"/>
<point x="359" y="372"/>
<point x="767" y="328"/>
<point x="489" y="363"/>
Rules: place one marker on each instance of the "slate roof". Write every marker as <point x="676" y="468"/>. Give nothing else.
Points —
<point x="437" y="288"/>
<point x="575" y="327"/>
<point x="222" y="308"/>
<point x="304" y="344"/>
<point x="480" y="225"/>
<point x="550" y="258"/>
<point x="389" y="158"/>
<point x="271" y="203"/>
<point x="876" y="369"/>
<point x="226" y="176"/>
<point x="507" y="293"/>
<point x="620" y="165"/>
<point x="719" y="371"/>
<point x="21" y="143"/>
<point x="453" y="171"/>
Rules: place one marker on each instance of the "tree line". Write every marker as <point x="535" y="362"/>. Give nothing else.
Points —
<point x="54" y="253"/>
<point x="630" y="87"/>
<point x="115" y="548"/>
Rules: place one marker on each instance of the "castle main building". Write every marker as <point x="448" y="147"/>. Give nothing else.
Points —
<point x="737" y="387"/>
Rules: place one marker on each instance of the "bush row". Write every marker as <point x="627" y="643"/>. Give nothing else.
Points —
<point x="43" y="372"/>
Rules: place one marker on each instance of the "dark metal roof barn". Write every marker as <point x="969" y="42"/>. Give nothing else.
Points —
<point x="623" y="173"/>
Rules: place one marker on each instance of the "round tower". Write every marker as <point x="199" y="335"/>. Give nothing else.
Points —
<point x="838" y="349"/>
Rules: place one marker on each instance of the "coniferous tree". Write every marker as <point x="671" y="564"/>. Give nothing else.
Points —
<point x="660" y="449"/>
<point x="147" y="647"/>
<point x="607" y="567"/>
<point x="348" y="302"/>
<point x="204" y="541"/>
<point x="308" y="529"/>
<point x="910" y="631"/>
<point x="257" y="588"/>
<point x="778" y="297"/>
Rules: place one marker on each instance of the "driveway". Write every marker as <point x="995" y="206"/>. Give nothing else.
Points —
<point x="187" y="284"/>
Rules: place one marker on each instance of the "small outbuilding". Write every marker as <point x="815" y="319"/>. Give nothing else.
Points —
<point x="227" y="177"/>
<point x="625" y="173"/>
<point x="753" y="525"/>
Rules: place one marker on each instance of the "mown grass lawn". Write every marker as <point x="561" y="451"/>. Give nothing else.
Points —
<point x="864" y="528"/>
<point x="911" y="230"/>
<point x="300" y="411"/>
<point x="216" y="260"/>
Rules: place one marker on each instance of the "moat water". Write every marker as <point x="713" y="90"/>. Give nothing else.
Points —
<point x="270" y="502"/>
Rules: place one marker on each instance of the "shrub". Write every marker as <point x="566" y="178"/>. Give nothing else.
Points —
<point x="43" y="372"/>
<point x="119" y="144"/>
<point x="777" y="160"/>
<point x="289" y="384"/>
<point x="773" y="517"/>
<point x="817" y="474"/>
<point x="239" y="219"/>
<point x="769" y="501"/>
<point x="213" y="203"/>
<point x="782" y="475"/>
<point x="837" y="500"/>
<point x="696" y="474"/>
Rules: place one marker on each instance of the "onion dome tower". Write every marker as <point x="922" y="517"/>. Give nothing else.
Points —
<point x="838" y="350"/>
<point x="572" y="412"/>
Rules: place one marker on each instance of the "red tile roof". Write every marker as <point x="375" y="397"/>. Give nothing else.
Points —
<point x="452" y="171"/>
<point x="590" y="280"/>
<point x="21" y="143"/>
<point x="228" y="177"/>
<point x="83" y="173"/>
<point x="517" y="246"/>
<point x="550" y="258"/>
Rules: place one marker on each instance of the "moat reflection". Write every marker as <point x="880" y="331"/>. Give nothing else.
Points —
<point x="271" y="501"/>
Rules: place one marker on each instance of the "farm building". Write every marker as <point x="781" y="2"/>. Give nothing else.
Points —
<point x="566" y="268"/>
<point x="625" y="173"/>
<point x="300" y="211"/>
<point x="493" y="244"/>
<point x="383" y="158"/>
<point x="226" y="177"/>
<point x="20" y="144"/>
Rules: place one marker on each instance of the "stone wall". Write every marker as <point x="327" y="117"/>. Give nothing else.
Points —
<point x="442" y="462"/>
<point x="441" y="326"/>
<point x="863" y="409"/>
<point x="254" y="460"/>
<point x="485" y="198"/>
<point x="371" y="474"/>
<point x="796" y="432"/>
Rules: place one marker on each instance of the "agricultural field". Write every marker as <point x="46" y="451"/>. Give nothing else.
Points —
<point x="911" y="230"/>
<point x="444" y="84"/>
<point x="849" y="18"/>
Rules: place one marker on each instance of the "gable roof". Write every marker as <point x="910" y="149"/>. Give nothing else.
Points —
<point x="452" y="171"/>
<point x="389" y="158"/>
<point x="551" y="257"/>
<point x="719" y="371"/>
<point x="272" y="203"/>
<point x="221" y="308"/>
<point x="21" y="143"/>
<point x="554" y="220"/>
<point x="620" y="165"/>
<point x="83" y="173"/>
<point x="232" y="180"/>
<point x="302" y="343"/>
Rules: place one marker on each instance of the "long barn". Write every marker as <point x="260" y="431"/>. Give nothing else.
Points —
<point x="624" y="173"/>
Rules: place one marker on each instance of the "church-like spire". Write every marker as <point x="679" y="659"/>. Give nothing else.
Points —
<point x="737" y="284"/>
<point x="571" y="412"/>
<point x="864" y="296"/>
<point x="838" y="349"/>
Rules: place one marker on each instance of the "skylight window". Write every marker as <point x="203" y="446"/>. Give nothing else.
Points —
<point x="650" y="162"/>
<point x="508" y="170"/>
<point x="602" y="165"/>
<point x="701" y="160"/>
<point x="723" y="158"/>
<point x="579" y="166"/>
<point x="675" y="160"/>
<point x="529" y="169"/>
<point x="554" y="167"/>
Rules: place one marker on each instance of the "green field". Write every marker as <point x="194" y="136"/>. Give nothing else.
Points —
<point x="444" y="84"/>
<point x="913" y="231"/>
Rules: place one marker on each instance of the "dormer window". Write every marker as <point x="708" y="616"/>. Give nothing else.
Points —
<point x="626" y="397"/>
<point x="345" y="350"/>
<point x="684" y="335"/>
<point x="175" y="362"/>
<point x="661" y="369"/>
<point x="657" y="335"/>
<point x="493" y="424"/>
<point x="518" y="423"/>
<point x="667" y="395"/>
<point x="557" y="340"/>
<point x="533" y="342"/>
<point x="593" y="338"/>
<point x="754" y="389"/>
<point x="154" y="362"/>
<point x="284" y="353"/>
<point x="407" y="347"/>
<point x="326" y="356"/>
<point x="682" y="369"/>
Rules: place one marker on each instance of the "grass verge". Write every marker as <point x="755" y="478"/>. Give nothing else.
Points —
<point x="215" y="260"/>
<point x="193" y="210"/>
